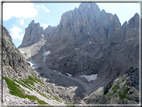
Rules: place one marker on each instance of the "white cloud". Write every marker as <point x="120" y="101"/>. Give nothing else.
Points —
<point x="26" y="10"/>
<point x="21" y="36"/>
<point x="15" y="32"/>
<point x="45" y="8"/>
<point x="38" y="6"/>
<point x="45" y="25"/>
<point x="22" y="22"/>
<point x="26" y="25"/>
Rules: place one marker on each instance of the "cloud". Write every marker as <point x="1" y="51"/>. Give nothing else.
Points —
<point x="26" y="10"/>
<point x="26" y="25"/>
<point x="38" y="6"/>
<point x="45" y="8"/>
<point x="44" y="25"/>
<point x="21" y="36"/>
<point x="15" y="32"/>
<point x="22" y="22"/>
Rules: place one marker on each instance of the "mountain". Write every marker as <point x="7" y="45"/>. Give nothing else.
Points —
<point x="90" y="57"/>
<point x="23" y="85"/>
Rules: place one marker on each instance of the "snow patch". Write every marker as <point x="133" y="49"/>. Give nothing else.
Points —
<point x="57" y="72"/>
<point x="60" y="73"/>
<point x="32" y="63"/>
<point x="89" y="77"/>
<point x="42" y="36"/>
<point x="77" y="49"/>
<point x="54" y="70"/>
<point x="46" y="53"/>
<point x="69" y="74"/>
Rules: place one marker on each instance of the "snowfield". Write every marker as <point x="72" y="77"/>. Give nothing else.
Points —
<point x="89" y="77"/>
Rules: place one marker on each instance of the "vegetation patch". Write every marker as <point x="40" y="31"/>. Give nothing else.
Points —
<point x="23" y="84"/>
<point x="36" y="79"/>
<point x="70" y="105"/>
<point x="29" y="87"/>
<point x="30" y="80"/>
<point x="14" y="89"/>
<point x="123" y="95"/>
<point x="18" y="91"/>
<point x="57" y="99"/>
<point x="115" y="88"/>
<point x="42" y="94"/>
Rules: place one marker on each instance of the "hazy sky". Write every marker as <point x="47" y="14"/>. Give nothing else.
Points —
<point x="17" y="16"/>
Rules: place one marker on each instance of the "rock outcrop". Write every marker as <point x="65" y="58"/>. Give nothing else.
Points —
<point x="119" y="91"/>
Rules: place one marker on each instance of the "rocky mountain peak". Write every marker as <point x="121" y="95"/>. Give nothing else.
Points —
<point x="32" y="22"/>
<point x="32" y="34"/>
<point x="93" y="6"/>
<point x="134" y="21"/>
<point x="34" y="25"/>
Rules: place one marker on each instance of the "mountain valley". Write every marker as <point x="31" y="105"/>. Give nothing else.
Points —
<point x="89" y="58"/>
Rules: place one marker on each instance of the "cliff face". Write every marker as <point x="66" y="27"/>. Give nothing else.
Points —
<point x="76" y="45"/>
<point x="87" y="23"/>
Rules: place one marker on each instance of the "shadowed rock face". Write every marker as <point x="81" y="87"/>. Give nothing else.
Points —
<point x="79" y="40"/>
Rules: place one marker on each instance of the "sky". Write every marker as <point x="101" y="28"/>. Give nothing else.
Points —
<point x="17" y="16"/>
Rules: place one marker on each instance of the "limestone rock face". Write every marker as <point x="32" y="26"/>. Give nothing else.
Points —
<point x="32" y="34"/>
<point x="49" y="32"/>
<point x="12" y="57"/>
<point x="87" y="23"/>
